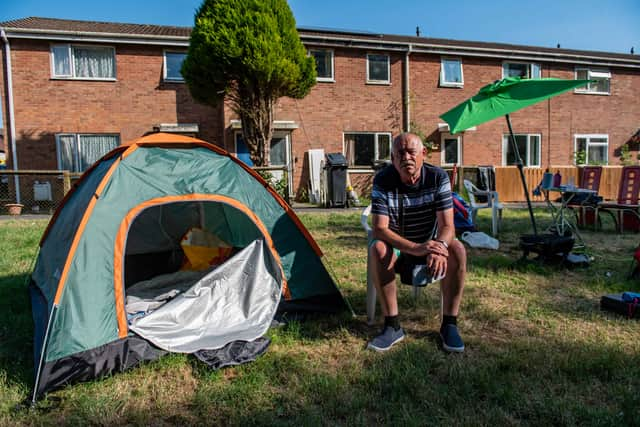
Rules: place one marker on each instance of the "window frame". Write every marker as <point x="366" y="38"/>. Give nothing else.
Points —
<point x="445" y="136"/>
<point x="589" y="136"/>
<point x="164" y="66"/>
<point x="606" y="73"/>
<point x="380" y="82"/>
<point x="526" y="163"/>
<point x="72" y="67"/>
<point x="529" y="68"/>
<point x="78" y="148"/>
<point x="376" y="151"/>
<point x="443" y="82"/>
<point x="330" y="79"/>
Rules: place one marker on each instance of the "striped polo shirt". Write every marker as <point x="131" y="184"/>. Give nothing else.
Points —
<point x="419" y="202"/>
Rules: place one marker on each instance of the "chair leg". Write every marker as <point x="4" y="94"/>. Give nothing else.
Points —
<point x="371" y="293"/>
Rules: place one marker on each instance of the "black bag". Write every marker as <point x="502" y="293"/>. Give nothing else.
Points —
<point x="615" y="303"/>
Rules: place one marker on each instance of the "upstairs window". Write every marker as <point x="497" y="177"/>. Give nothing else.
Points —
<point x="594" y="149"/>
<point x="600" y="86"/>
<point x="378" y="68"/>
<point x="451" y="73"/>
<point x="324" y="64"/>
<point x="172" y="66"/>
<point x="364" y="148"/>
<point x="83" y="62"/>
<point x="77" y="152"/>
<point x="528" y="147"/>
<point x="521" y="69"/>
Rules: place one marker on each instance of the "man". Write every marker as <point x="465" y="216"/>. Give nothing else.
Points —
<point x="412" y="216"/>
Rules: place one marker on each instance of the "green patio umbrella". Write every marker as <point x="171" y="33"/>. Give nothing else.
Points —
<point x="501" y="98"/>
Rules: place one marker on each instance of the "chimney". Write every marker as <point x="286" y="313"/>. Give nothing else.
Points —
<point x="631" y="50"/>
<point x="558" y="46"/>
<point x="417" y="31"/>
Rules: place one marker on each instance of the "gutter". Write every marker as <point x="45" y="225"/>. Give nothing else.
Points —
<point x="406" y="95"/>
<point x="10" y="113"/>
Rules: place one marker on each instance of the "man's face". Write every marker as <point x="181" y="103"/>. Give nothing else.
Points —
<point x="408" y="155"/>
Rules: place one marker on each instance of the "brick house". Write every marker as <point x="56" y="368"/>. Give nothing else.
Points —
<point x="73" y="89"/>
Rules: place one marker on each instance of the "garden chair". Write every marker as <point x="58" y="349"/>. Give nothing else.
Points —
<point x="625" y="211"/>
<point x="371" y="288"/>
<point x="585" y="209"/>
<point x="492" y="203"/>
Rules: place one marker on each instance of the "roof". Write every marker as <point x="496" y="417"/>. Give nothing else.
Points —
<point x="64" y="29"/>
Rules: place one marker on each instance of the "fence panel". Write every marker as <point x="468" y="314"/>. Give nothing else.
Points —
<point x="33" y="191"/>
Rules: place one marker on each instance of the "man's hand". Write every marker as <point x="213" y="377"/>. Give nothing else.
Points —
<point x="437" y="265"/>
<point x="428" y="248"/>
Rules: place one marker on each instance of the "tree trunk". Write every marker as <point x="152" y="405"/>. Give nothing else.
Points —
<point x="256" y="114"/>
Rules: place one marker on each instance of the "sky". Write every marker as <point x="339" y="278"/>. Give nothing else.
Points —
<point x="600" y="25"/>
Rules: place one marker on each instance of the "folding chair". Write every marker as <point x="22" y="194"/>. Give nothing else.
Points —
<point x="371" y="288"/>
<point x="585" y="209"/>
<point x="492" y="203"/>
<point x="626" y="210"/>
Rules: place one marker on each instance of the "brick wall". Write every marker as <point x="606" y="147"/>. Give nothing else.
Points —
<point x="130" y="106"/>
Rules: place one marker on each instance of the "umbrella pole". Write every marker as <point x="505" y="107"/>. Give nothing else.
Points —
<point x="520" y="169"/>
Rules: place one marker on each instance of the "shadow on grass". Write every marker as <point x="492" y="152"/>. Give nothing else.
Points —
<point x="16" y="331"/>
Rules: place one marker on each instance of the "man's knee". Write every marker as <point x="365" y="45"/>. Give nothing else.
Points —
<point x="457" y="255"/>
<point x="380" y="251"/>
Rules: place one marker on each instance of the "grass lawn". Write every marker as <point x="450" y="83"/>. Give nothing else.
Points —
<point x="539" y="350"/>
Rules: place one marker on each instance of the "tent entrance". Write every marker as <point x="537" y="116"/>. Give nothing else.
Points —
<point x="184" y="309"/>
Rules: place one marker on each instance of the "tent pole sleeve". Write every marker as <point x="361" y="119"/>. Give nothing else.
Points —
<point x="520" y="169"/>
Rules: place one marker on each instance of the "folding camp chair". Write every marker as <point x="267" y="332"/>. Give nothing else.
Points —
<point x="585" y="208"/>
<point x="371" y="288"/>
<point x="492" y="203"/>
<point x="626" y="210"/>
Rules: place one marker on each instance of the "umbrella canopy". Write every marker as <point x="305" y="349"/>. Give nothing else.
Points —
<point x="503" y="97"/>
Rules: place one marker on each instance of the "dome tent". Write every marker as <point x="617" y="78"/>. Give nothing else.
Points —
<point x="123" y="223"/>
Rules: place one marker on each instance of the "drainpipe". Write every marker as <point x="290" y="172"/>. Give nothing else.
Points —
<point x="406" y="95"/>
<point x="10" y="114"/>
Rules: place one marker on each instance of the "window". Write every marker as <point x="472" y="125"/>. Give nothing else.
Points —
<point x="77" y="152"/>
<point x="528" y="147"/>
<point x="451" y="150"/>
<point x="277" y="154"/>
<point x="378" y="68"/>
<point x="324" y="64"/>
<point x="521" y="69"/>
<point x="451" y="72"/>
<point x="363" y="149"/>
<point x="601" y="85"/>
<point x="594" y="147"/>
<point x="172" y="65"/>
<point x="83" y="62"/>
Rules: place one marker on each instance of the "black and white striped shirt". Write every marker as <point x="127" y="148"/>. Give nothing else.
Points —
<point x="420" y="202"/>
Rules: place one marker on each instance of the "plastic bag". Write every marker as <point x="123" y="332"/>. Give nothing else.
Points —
<point x="202" y="249"/>
<point x="478" y="239"/>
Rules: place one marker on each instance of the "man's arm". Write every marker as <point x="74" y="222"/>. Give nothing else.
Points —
<point x="381" y="231"/>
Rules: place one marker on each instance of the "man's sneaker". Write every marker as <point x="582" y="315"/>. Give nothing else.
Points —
<point x="386" y="339"/>
<point x="451" y="340"/>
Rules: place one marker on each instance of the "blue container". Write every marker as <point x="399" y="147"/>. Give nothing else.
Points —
<point x="547" y="180"/>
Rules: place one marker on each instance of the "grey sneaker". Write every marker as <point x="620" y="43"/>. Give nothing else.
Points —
<point x="386" y="339"/>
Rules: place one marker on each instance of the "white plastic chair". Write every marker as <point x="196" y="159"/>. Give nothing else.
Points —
<point x="492" y="203"/>
<point x="371" y="287"/>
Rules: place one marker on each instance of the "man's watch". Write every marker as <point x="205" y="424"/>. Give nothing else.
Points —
<point x="445" y="244"/>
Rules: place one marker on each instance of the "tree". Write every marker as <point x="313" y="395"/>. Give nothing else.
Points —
<point x="249" y="52"/>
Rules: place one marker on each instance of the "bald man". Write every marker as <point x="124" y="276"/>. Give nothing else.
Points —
<point x="412" y="218"/>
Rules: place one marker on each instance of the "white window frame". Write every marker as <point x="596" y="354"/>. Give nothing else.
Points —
<point x="164" y="66"/>
<point x="376" y="152"/>
<point x="380" y="82"/>
<point x="444" y="136"/>
<point x="588" y="137"/>
<point x="330" y="79"/>
<point x="443" y="82"/>
<point x="506" y="142"/>
<point x="593" y="73"/>
<point x="78" y="149"/>
<point x="529" y="65"/>
<point x="72" y="66"/>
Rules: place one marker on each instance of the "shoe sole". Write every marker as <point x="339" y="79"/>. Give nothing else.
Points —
<point x="383" y="349"/>
<point x="451" y="349"/>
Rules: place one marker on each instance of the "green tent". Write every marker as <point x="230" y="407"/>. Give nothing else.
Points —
<point x="123" y="224"/>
